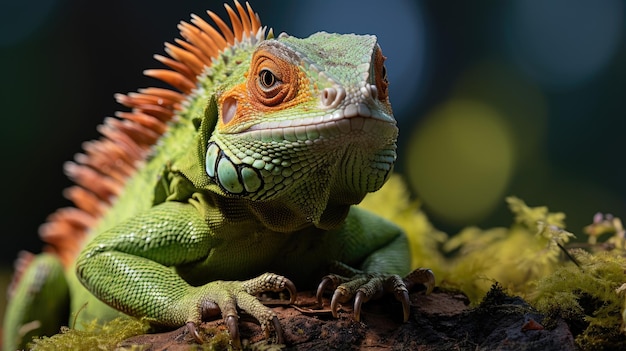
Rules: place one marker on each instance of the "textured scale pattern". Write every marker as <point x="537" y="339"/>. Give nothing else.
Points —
<point x="183" y="231"/>
<point x="100" y="172"/>
<point x="293" y="156"/>
<point x="252" y="166"/>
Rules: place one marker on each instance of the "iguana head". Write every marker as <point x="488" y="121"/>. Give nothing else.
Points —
<point x="309" y="123"/>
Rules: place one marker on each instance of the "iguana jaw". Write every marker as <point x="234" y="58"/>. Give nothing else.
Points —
<point x="353" y="118"/>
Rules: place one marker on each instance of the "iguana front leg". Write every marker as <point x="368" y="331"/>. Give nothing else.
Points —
<point x="131" y="267"/>
<point x="380" y="251"/>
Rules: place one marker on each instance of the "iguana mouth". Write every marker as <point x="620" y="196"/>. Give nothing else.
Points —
<point x="353" y="117"/>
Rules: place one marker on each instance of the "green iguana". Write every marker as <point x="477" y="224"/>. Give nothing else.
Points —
<point x="252" y="166"/>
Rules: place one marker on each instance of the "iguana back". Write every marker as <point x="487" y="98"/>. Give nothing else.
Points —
<point x="116" y="175"/>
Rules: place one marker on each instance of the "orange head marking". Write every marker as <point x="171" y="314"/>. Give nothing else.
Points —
<point x="274" y="82"/>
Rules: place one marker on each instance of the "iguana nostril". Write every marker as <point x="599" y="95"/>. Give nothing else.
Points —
<point x="328" y="96"/>
<point x="333" y="96"/>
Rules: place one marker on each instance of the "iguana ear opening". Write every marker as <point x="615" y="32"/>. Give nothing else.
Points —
<point x="229" y="109"/>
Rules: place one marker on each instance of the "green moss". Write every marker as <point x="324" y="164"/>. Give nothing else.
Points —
<point x="264" y="345"/>
<point x="530" y="259"/>
<point x="93" y="337"/>
<point x="110" y="336"/>
<point x="474" y="259"/>
<point x="215" y="339"/>
<point x="588" y="298"/>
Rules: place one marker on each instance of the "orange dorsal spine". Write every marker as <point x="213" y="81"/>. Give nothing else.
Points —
<point x="102" y="169"/>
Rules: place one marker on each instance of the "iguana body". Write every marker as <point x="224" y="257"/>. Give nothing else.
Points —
<point x="253" y="168"/>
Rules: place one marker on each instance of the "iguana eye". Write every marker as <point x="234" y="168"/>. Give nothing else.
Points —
<point x="271" y="80"/>
<point x="267" y="79"/>
<point x="384" y="74"/>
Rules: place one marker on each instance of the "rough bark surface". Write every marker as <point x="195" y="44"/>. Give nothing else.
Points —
<point x="439" y="321"/>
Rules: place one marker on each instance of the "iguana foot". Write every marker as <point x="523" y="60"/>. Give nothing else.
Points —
<point x="226" y="297"/>
<point x="363" y="287"/>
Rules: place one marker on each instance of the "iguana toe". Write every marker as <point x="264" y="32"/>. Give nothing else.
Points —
<point x="339" y="296"/>
<point x="423" y="276"/>
<point x="233" y="329"/>
<point x="280" y="338"/>
<point x="226" y="297"/>
<point x="363" y="287"/>
<point x="271" y="282"/>
<point x="333" y="281"/>
<point x="329" y="279"/>
<point x="192" y="329"/>
<point x="403" y="297"/>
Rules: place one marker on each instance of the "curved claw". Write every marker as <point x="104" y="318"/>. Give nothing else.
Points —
<point x="280" y="338"/>
<point x="193" y="330"/>
<point x="233" y="329"/>
<point x="403" y="297"/>
<point x="334" y="302"/>
<point x="358" y="301"/>
<point x="321" y="288"/>
<point x="291" y="287"/>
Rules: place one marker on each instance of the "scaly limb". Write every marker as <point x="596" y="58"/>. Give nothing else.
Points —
<point x="139" y="254"/>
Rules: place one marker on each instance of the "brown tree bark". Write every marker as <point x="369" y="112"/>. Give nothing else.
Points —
<point x="439" y="321"/>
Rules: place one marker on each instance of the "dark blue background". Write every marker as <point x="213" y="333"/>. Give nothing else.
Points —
<point x="552" y="73"/>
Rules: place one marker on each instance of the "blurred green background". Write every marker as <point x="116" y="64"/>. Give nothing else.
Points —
<point x="493" y="98"/>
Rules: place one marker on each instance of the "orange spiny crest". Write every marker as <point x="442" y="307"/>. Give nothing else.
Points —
<point x="23" y="260"/>
<point x="101" y="171"/>
<point x="85" y="200"/>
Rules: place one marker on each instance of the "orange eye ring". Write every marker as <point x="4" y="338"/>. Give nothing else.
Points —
<point x="272" y="81"/>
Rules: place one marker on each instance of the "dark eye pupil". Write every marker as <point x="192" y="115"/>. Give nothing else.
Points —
<point x="267" y="78"/>
<point x="384" y="73"/>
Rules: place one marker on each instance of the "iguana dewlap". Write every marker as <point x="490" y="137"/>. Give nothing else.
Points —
<point x="252" y="166"/>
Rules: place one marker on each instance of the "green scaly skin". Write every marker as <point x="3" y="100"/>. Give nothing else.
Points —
<point x="219" y="204"/>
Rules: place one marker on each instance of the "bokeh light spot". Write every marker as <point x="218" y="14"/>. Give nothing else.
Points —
<point x="513" y="95"/>
<point x="461" y="159"/>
